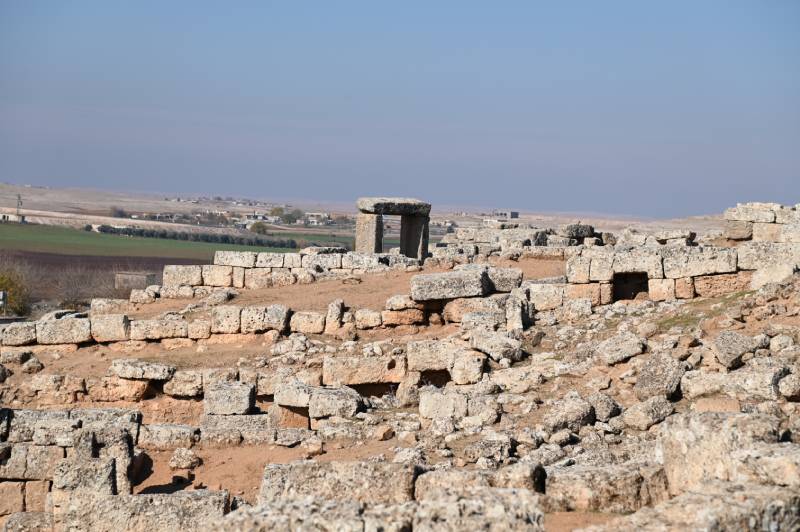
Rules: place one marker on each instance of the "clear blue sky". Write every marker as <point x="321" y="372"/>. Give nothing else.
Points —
<point x="629" y="107"/>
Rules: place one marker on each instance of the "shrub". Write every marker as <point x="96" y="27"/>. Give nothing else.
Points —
<point x="18" y="298"/>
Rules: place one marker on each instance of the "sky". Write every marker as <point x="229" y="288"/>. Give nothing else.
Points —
<point x="656" y="109"/>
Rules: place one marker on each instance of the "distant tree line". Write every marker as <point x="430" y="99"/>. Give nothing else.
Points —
<point x="215" y="238"/>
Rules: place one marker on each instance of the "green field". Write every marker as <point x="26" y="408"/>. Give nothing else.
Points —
<point x="66" y="241"/>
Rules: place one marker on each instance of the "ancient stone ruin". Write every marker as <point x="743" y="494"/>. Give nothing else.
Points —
<point x="414" y="220"/>
<point x="510" y="378"/>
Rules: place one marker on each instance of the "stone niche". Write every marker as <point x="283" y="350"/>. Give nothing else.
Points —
<point x="414" y="220"/>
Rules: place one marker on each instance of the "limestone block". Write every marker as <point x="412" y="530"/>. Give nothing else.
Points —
<point x="737" y="230"/>
<point x="307" y="322"/>
<point x="341" y="402"/>
<point x="430" y="355"/>
<point x="449" y="285"/>
<point x="763" y="232"/>
<point x="369" y="233"/>
<point x="217" y="275"/>
<point x="393" y="318"/>
<point x="176" y="275"/>
<point x="367" y="319"/>
<point x="110" y="327"/>
<point x="199" y="329"/>
<point x="720" y="285"/>
<point x="468" y="365"/>
<point x="283" y="277"/>
<point x="228" y="398"/>
<point x="402" y="302"/>
<point x="158" y="329"/>
<point x="20" y="333"/>
<point x="116" y="389"/>
<point x="365" y="482"/>
<point x="257" y="278"/>
<point x="546" y="296"/>
<point x="695" y="261"/>
<point x="133" y="368"/>
<point x="578" y="269"/>
<point x="750" y="213"/>
<point x="684" y="288"/>
<point x="270" y="260"/>
<point x="64" y="331"/>
<point x="791" y="233"/>
<point x="226" y="319"/>
<point x="590" y="291"/>
<point x="661" y="289"/>
<point x="439" y="404"/>
<point x="601" y="267"/>
<point x="341" y="370"/>
<point x="322" y="262"/>
<point x="497" y="345"/>
<point x="241" y="259"/>
<point x="237" y="277"/>
<point x="185" y="383"/>
<point x="755" y="255"/>
<point x="639" y="260"/>
<point x="167" y="436"/>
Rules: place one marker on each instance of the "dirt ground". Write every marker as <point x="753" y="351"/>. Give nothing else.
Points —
<point x="232" y="468"/>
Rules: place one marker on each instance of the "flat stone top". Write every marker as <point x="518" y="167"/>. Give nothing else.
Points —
<point x="394" y="206"/>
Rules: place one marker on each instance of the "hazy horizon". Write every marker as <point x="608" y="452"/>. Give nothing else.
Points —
<point x="655" y="110"/>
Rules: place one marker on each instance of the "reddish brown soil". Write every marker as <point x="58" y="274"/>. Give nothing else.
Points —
<point x="239" y="469"/>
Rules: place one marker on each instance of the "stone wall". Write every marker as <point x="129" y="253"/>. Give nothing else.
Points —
<point x="252" y="270"/>
<point x="763" y="222"/>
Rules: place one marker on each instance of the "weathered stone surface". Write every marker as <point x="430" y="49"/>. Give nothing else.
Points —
<point x="110" y="327"/>
<point x="751" y="212"/>
<point x="497" y="345"/>
<point x="394" y="318"/>
<point x="402" y="302"/>
<point x="338" y="370"/>
<point x="226" y="319"/>
<point x="730" y="346"/>
<point x="224" y="431"/>
<point x="430" y="355"/>
<point x="369" y="233"/>
<point x="334" y="316"/>
<point x="167" y="436"/>
<point x="20" y="333"/>
<point x="738" y="230"/>
<point x="184" y="458"/>
<point x="468" y="366"/>
<point x="158" y="329"/>
<point x="242" y="259"/>
<point x="693" y="261"/>
<point x="367" y="319"/>
<point x="639" y="260"/>
<point x="375" y="482"/>
<point x="722" y="284"/>
<point x="182" y="276"/>
<point x="133" y="368"/>
<point x="661" y="289"/>
<point x="217" y="275"/>
<point x="439" y="404"/>
<point x="481" y="509"/>
<point x="643" y="415"/>
<point x="341" y="402"/>
<point x="198" y="329"/>
<point x="697" y="447"/>
<point x="620" y="348"/>
<point x="572" y="412"/>
<point x="258" y="278"/>
<point x="116" y="389"/>
<point x="455" y="310"/>
<point x="716" y="506"/>
<point x="771" y="273"/>
<point x="292" y="392"/>
<point x="590" y="291"/>
<point x="449" y="285"/>
<point x="684" y="288"/>
<point x="755" y="255"/>
<point x="767" y="232"/>
<point x="64" y="331"/>
<point x="185" y="383"/>
<point x="606" y="488"/>
<point x="546" y="296"/>
<point x="270" y="260"/>
<point x="578" y="269"/>
<point x="604" y="406"/>
<point x="660" y="376"/>
<point x="307" y="322"/>
<point x="228" y="398"/>
<point x="394" y="206"/>
<point x="12" y="497"/>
